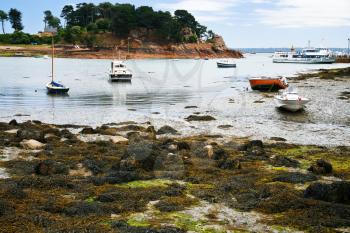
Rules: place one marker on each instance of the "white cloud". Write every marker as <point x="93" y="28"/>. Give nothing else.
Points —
<point x="204" y="10"/>
<point x="306" y="13"/>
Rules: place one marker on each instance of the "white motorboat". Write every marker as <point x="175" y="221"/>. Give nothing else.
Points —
<point x="119" y="72"/>
<point x="306" y="56"/>
<point x="226" y="64"/>
<point x="290" y="100"/>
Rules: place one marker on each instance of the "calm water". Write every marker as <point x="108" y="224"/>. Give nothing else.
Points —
<point x="165" y="87"/>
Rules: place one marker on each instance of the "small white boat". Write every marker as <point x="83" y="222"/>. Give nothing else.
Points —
<point x="119" y="72"/>
<point x="45" y="57"/>
<point x="290" y="100"/>
<point x="226" y="64"/>
<point x="306" y="56"/>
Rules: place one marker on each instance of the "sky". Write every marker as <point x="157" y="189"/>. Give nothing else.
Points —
<point x="242" y="23"/>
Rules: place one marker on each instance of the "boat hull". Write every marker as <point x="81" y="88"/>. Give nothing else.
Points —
<point x="56" y="90"/>
<point x="120" y="78"/>
<point x="305" y="61"/>
<point x="222" y="65"/>
<point x="291" y="105"/>
<point x="267" y="84"/>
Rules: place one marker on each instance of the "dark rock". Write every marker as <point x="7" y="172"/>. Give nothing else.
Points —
<point x="278" y="139"/>
<point x="50" y="167"/>
<point x="13" y="122"/>
<point x="321" y="167"/>
<point x="131" y="128"/>
<point x="169" y="166"/>
<point x="284" y="161"/>
<point x="183" y="146"/>
<point x="338" y="192"/>
<point x="139" y="155"/>
<point x="31" y="134"/>
<point x="255" y="150"/>
<point x="167" y="130"/>
<point x="295" y="177"/>
<point x="65" y="133"/>
<point x="200" y="118"/>
<point x="152" y="134"/>
<point x="229" y="164"/>
<point x="187" y="107"/>
<point x="85" y="209"/>
<point x="225" y="126"/>
<point x="88" y="130"/>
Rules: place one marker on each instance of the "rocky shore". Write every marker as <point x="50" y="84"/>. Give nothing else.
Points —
<point x="138" y="50"/>
<point x="131" y="177"/>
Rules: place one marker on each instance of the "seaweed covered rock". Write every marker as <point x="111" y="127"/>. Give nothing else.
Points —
<point x="166" y="129"/>
<point x="284" y="161"/>
<point x="13" y="122"/>
<point x="200" y="118"/>
<point x="321" y="167"/>
<point x="295" y="177"/>
<point x="50" y="167"/>
<point x="338" y="192"/>
<point x="255" y="150"/>
<point x="169" y="166"/>
<point x="88" y="130"/>
<point x="29" y="134"/>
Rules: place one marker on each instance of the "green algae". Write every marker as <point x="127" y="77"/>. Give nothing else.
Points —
<point x="138" y="220"/>
<point x="163" y="183"/>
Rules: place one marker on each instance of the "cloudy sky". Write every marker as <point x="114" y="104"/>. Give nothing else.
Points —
<point x="243" y="23"/>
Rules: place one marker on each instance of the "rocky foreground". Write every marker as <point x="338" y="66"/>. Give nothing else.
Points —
<point x="128" y="177"/>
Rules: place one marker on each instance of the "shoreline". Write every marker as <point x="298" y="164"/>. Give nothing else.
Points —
<point x="154" y="51"/>
<point x="134" y="178"/>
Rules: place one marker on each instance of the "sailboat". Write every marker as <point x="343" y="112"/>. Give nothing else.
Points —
<point x="55" y="87"/>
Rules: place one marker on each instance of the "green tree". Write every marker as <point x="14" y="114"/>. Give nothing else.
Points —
<point x="47" y="17"/>
<point x="54" y="22"/>
<point x="15" y="17"/>
<point x="105" y="10"/>
<point x="3" y="18"/>
<point x="123" y="19"/>
<point x="103" y="24"/>
<point x="145" y="17"/>
<point x="92" y="27"/>
<point x="68" y="14"/>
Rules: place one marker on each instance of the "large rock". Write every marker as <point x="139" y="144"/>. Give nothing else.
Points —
<point x="295" y="177"/>
<point x="166" y="129"/>
<point x="119" y="140"/>
<point x="88" y="130"/>
<point x="200" y="118"/>
<point x="321" y="167"/>
<point x="31" y="134"/>
<point x="50" y="167"/>
<point x="32" y="144"/>
<point x="255" y="150"/>
<point x="284" y="161"/>
<point x="338" y="192"/>
<point x="13" y="122"/>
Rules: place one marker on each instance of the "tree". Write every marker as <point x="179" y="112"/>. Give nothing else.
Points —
<point x="54" y="22"/>
<point x="15" y="17"/>
<point x="68" y="14"/>
<point x="103" y="24"/>
<point x="123" y="19"/>
<point x="105" y="10"/>
<point x="145" y="17"/>
<point x="3" y="18"/>
<point x="48" y="16"/>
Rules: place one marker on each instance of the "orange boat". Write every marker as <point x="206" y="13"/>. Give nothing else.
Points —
<point x="268" y="84"/>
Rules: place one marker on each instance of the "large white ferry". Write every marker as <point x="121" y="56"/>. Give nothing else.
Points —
<point x="306" y="56"/>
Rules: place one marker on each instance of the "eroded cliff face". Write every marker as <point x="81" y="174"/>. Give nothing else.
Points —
<point x="141" y="43"/>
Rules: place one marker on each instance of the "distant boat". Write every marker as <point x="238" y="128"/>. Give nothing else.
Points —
<point x="290" y="100"/>
<point x="55" y="87"/>
<point x="226" y="64"/>
<point x="119" y="72"/>
<point x="268" y="84"/>
<point x="306" y="56"/>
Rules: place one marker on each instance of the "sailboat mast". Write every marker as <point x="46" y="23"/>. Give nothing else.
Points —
<point x="53" y="54"/>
